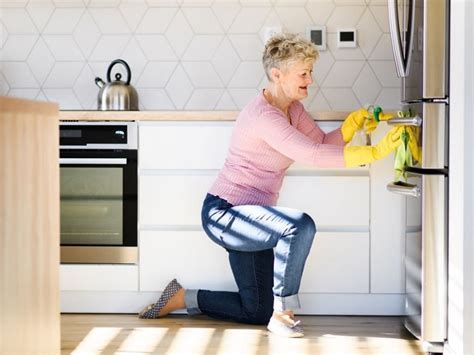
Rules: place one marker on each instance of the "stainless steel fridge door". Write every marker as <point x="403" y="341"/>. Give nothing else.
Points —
<point x="426" y="256"/>
<point x="434" y="301"/>
<point x="401" y="22"/>
<point x="432" y="120"/>
<point x="420" y="39"/>
<point x="435" y="136"/>
<point x="435" y="49"/>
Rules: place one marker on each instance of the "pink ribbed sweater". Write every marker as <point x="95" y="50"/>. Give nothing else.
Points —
<point x="264" y="144"/>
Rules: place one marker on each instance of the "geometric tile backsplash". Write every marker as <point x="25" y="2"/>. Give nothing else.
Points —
<point x="189" y="54"/>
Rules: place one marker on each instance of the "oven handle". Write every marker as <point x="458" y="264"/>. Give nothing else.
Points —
<point x="405" y="189"/>
<point x="93" y="161"/>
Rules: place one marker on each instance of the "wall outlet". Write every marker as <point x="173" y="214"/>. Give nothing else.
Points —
<point x="269" y="31"/>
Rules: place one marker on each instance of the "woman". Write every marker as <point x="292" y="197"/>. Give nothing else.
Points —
<point x="268" y="245"/>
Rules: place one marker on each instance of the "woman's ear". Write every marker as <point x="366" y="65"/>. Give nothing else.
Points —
<point x="275" y="73"/>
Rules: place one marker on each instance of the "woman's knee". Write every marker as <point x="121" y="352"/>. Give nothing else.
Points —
<point x="262" y="314"/>
<point x="306" y="226"/>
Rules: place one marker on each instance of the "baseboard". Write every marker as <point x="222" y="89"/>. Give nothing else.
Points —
<point x="312" y="304"/>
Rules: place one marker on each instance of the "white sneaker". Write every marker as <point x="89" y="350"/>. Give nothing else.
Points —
<point x="279" y="328"/>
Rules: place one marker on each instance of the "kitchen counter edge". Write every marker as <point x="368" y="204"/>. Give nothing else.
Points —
<point x="177" y="115"/>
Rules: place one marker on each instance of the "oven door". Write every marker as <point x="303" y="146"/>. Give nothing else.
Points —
<point x="98" y="206"/>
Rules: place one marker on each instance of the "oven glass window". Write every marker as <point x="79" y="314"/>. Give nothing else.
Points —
<point x="92" y="205"/>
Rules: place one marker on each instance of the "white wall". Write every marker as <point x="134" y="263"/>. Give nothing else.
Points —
<point x="188" y="54"/>
<point x="461" y="245"/>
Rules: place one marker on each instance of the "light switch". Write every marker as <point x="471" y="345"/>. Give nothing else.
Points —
<point x="347" y="38"/>
<point x="317" y="35"/>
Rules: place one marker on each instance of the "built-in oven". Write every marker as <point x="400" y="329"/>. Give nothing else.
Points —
<point x="98" y="189"/>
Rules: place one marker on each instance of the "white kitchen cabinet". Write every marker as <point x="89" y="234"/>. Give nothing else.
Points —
<point x="189" y="256"/>
<point x="337" y="263"/>
<point x="98" y="277"/>
<point x="173" y="198"/>
<point x="183" y="145"/>
<point x="334" y="202"/>
<point x="172" y="186"/>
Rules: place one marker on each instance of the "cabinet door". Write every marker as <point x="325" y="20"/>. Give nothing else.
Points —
<point x="189" y="256"/>
<point x="337" y="263"/>
<point x="172" y="199"/>
<point x="183" y="145"/>
<point x="332" y="201"/>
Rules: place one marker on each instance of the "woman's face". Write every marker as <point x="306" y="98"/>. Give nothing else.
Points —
<point x="295" y="78"/>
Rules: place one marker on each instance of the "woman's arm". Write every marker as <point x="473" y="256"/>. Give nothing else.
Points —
<point x="309" y="127"/>
<point x="277" y="132"/>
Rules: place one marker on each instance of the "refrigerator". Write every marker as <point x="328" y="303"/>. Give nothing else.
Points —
<point x="419" y="32"/>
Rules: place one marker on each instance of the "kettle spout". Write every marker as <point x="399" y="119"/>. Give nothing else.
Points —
<point x="99" y="82"/>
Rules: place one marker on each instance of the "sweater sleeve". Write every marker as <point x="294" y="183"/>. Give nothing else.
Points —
<point x="310" y="128"/>
<point x="273" y="128"/>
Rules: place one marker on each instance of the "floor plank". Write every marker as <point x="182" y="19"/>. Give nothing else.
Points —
<point x="178" y="334"/>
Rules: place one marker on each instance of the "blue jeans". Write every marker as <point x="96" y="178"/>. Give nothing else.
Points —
<point x="267" y="246"/>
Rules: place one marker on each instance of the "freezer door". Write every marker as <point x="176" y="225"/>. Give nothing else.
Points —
<point x="434" y="301"/>
<point x="426" y="256"/>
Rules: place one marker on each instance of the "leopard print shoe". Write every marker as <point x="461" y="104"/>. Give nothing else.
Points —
<point x="153" y="310"/>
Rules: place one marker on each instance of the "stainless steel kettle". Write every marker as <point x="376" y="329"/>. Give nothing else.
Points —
<point x="117" y="95"/>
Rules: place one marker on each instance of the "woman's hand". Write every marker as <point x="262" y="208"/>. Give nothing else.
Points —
<point x="361" y="155"/>
<point x="371" y="124"/>
<point x="353" y="123"/>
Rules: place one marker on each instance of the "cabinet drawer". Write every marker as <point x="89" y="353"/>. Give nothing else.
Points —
<point x="337" y="263"/>
<point x="332" y="201"/>
<point x="189" y="256"/>
<point x="98" y="277"/>
<point x="172" y="199"/>
<point x="186" y="145"/>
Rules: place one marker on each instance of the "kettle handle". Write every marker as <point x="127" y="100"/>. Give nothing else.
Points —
<point x="124" y="63"/>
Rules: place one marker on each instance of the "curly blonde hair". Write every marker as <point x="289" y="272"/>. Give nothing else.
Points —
<point x="283" y="49"/>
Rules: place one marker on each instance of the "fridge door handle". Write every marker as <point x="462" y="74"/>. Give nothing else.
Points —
<point x="406" y="121"/>
<point x="395" y="36"/>
<point x="404" y="189"/>
<point x="410" y="37"/>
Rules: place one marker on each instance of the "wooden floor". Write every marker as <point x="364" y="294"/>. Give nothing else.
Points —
<point x="178" y="334"/>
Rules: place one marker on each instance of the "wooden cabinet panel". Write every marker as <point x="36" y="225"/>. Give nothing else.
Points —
<point x="29" y="227"/>
<point x="190" y="145"/>
<point x="189" y="256"/>
<point x="338" y="263"/>
<point x="332" y="201"/>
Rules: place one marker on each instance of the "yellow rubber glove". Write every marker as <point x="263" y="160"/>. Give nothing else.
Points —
<point x="371" y="124"/>
<point x="353" y="123"/>
<point x="361" y="155"/>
